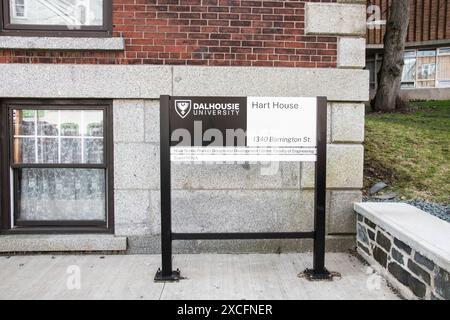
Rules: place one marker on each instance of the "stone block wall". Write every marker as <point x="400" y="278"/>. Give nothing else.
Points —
<point x="232" y="197"/>
<point x="419" y="276"/>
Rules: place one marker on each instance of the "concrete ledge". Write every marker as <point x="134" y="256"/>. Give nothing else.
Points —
<point x="336" y="84"/>
<point x="84" y="81"/>
<point x="427" y="234"/>
<point x="60" y="243"/>
<point x="408" y="245"/>
<point x="149" y="82"/>
<point x="62" y="43"/>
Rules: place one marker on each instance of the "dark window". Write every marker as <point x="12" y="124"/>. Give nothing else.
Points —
<point x="58" y="173"/>
<point x="56" y="17"/>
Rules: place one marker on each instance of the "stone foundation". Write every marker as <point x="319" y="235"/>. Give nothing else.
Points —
<point x="416" y="275"/>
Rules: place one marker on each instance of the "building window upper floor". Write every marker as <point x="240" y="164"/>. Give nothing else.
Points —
<point x="56" y="17"/>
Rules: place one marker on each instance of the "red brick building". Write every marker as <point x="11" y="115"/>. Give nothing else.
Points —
<point x="427" y="55"/>
<point x="199" y="32"/>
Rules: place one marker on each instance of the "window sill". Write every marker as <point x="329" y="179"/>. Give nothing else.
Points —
<point x="61" y="43"/>
<point x="62" y="243"/>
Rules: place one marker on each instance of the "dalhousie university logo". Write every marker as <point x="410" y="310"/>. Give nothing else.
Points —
<point x="183" y="107"/>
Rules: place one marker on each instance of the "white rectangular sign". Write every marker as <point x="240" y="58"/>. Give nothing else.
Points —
<point x="243" y="129"/>
<point x="281" y="122"/>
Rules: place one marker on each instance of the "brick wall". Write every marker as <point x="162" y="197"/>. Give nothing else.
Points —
<point x="429" y="20"/>
<point x="204" y="32"/>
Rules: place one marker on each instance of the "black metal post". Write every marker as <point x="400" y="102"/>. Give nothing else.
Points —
<point x="319" y="271"/>
<point x="166" y="273"/>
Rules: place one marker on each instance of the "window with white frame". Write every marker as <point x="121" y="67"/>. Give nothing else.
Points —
<point x="426" y="69"/>
<point x="370" y="65"/>
<point x="443" y="74"/>
<point x="409" y="70"/>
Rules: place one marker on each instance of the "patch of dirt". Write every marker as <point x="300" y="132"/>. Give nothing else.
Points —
<point x="374" y="172"/>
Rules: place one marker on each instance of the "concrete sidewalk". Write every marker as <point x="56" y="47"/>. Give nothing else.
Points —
<point x="209" y="276"/>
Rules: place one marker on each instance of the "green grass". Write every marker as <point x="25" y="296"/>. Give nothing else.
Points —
<point x="410" y="151"/>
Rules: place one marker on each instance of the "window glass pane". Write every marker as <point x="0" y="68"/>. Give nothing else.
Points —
<point x="19" y="8"/>
<point x="61" y="194"/>
<point x="444" y="83"/>
<point x="71" y="123"/>
<point x="58" y="136"/>
<point x="409" y="70"/>
<point x="24" y="122"/>
<point x="93" y="151"/>
<point x="408" y="85"/>
<point x="410" y="54"/>
<point x="444" y="51"/>
<point x="426" y="53"/>
<point x="370" y="65"/>
<point x="47" y="150"/>
<point x="70" y="13"/>
<point x="426" y="69"/>
<point x="25" y="150"/>
<point x="71" y="150"/>
<point x="47" y="122"/>
<point x="444" y="68"/>
<point x="93" y="123"/>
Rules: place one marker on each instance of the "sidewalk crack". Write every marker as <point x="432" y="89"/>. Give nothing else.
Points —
<point x="162" y="291"/>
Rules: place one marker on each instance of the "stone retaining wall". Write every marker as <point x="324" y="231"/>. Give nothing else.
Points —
<point x="416" y="274"/>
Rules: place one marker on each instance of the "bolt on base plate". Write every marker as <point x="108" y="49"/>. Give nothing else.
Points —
<point x="174" y="277"/>
<point x="324" y="275"/>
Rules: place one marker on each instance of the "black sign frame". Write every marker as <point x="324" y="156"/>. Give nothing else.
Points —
<point x="318" y="272"/>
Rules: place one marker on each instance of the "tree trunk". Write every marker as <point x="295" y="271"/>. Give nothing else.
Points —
<point x="387" y="97"/>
